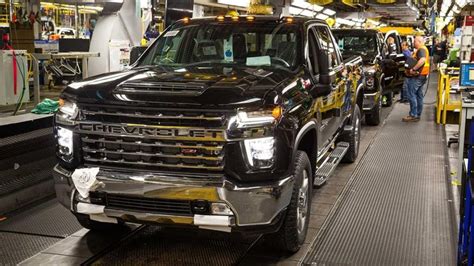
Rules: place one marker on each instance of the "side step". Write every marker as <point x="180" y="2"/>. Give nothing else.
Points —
<point x="330" y="164"/>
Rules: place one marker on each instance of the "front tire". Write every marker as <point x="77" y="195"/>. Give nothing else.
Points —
<point x="373" y="118"/>
<point x="292" y="233"/>
<point x="353" y="138"/>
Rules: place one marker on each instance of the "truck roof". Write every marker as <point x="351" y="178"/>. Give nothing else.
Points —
<point x="356" y="31"/>
<point x="256" y="18"/>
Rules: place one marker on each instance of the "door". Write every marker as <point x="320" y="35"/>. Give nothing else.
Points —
<point x="332" y="107"/>
<point x="395" y="53"/>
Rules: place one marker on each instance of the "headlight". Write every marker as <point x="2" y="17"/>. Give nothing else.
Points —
<point x="65" y="143"/>
<point x="255" y="118"/>
<point x="260" y="152"/>
<point x="68" y="112"/>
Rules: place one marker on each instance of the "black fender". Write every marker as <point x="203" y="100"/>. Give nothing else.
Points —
<point x="310" y="125"/>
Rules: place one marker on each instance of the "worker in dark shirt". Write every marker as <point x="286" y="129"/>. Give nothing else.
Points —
<point x="404" y="94"/>
<point x="417" y="76"/>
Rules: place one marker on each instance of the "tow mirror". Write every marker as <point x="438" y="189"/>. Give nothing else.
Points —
<point x="326" y="76"/>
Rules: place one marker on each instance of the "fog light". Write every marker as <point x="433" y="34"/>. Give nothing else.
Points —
<point x="221" y="209"/>
<point x="260" y="152"/>
<point x="65" y="141"/>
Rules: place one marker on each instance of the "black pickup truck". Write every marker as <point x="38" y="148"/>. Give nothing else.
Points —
<point x="223" y="124"/>
<point x="383" y="67"/>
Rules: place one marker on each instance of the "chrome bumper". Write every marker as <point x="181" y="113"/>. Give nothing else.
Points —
<point x="255" y="205"/>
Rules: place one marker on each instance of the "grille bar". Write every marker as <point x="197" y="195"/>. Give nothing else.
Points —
<point x="178" y="156"/>
<point x="154" y="164"/>
<point x="86" y="139"/>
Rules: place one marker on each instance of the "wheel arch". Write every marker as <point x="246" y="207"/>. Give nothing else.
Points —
<point x="307" y="141"/>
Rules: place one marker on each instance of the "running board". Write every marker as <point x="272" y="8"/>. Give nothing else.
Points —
<point x="330" y="164"/>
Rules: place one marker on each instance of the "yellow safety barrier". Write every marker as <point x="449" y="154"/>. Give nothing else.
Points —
<point x="446" y="78"/>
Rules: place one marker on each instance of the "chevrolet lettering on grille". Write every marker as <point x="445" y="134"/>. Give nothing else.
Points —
<point x="154" y="131"/>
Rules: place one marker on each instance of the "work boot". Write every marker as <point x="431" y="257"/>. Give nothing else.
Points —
<point x="410" y="119"/>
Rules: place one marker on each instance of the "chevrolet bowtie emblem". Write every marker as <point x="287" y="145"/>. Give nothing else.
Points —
<point x="189" y="151"/>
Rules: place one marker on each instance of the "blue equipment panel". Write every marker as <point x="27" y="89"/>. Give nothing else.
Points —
<point x="466" y="78"/>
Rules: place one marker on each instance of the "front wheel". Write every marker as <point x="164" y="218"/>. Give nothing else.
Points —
<point x="292" y="233"/>
<point x="373" y="117"/>
<point x="353" y="137"/>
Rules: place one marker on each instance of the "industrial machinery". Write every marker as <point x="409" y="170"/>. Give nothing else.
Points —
<point x="13" y="73"/>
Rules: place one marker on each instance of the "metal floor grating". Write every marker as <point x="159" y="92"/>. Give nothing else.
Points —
<point x="396" y="210"/>
<point x="14" y="248"/>
<point x="47" y="219"/>
<point x="172" y="246"/>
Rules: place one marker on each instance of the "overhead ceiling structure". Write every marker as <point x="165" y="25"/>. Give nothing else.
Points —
<point x="303" y="8"/>
<point x="396" y="13"/>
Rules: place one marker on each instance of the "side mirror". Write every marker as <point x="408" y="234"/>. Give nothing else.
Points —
<point x="136" y="52"/>
<point x="320" y="90"/>
<point x="326" y="79"/>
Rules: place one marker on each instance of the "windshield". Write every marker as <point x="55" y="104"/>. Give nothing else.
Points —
<point x="362" y="44"/>
<point x="266" y="43"/>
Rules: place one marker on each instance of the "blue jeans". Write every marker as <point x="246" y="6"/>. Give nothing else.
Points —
<point x="404" y="93"/>
<point x="415" y="95"/>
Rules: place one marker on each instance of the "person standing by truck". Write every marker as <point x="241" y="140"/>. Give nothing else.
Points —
<point x="416" y="79"/>
<point x="407" y="53"/>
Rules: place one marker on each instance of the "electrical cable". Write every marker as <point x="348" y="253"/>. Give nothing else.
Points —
<point x="428" y="84"/>
<point x="22" y="73"/>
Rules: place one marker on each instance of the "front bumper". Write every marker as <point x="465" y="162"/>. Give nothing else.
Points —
<point x="370" y="101"/>
<point x="253" y="206"/>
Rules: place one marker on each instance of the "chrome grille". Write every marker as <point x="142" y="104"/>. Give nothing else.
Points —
<point x="152" y="146"/>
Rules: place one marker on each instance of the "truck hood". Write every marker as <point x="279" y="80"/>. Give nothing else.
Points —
<point x="199" y="86"/>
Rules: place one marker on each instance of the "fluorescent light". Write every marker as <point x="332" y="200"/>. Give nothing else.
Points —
<point x="329" y="12"/>
<point x="295" y="10"/>
<point x="322" y="16"/>
<point x="302" y="4"/>
<point x="358" y="19"/>
<point x="308" y="13"/>
<point x="305" y="5"/>
<point x="242" y="3"/>
<point x="317" y="8"/>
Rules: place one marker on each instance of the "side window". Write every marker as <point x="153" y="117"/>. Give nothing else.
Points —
<point x="327" y="43"/>
<point x="313" y="52"/>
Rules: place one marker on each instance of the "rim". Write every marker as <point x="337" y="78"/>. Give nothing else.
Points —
<point x="357" y="134"/>
<point x="380" y="104"/>
<point x="302" y="209"/>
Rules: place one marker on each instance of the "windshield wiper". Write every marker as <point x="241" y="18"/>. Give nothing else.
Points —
<point x="208" y="62"/>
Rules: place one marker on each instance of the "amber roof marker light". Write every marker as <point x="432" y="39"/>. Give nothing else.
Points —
<point x="276" y="112"/>
<point x="220" y="18"/>
<point x="250" y="18"/>
<point x="289" y="20"/>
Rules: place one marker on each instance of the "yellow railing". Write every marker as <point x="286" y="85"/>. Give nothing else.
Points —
<point x="446" y="78"/>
